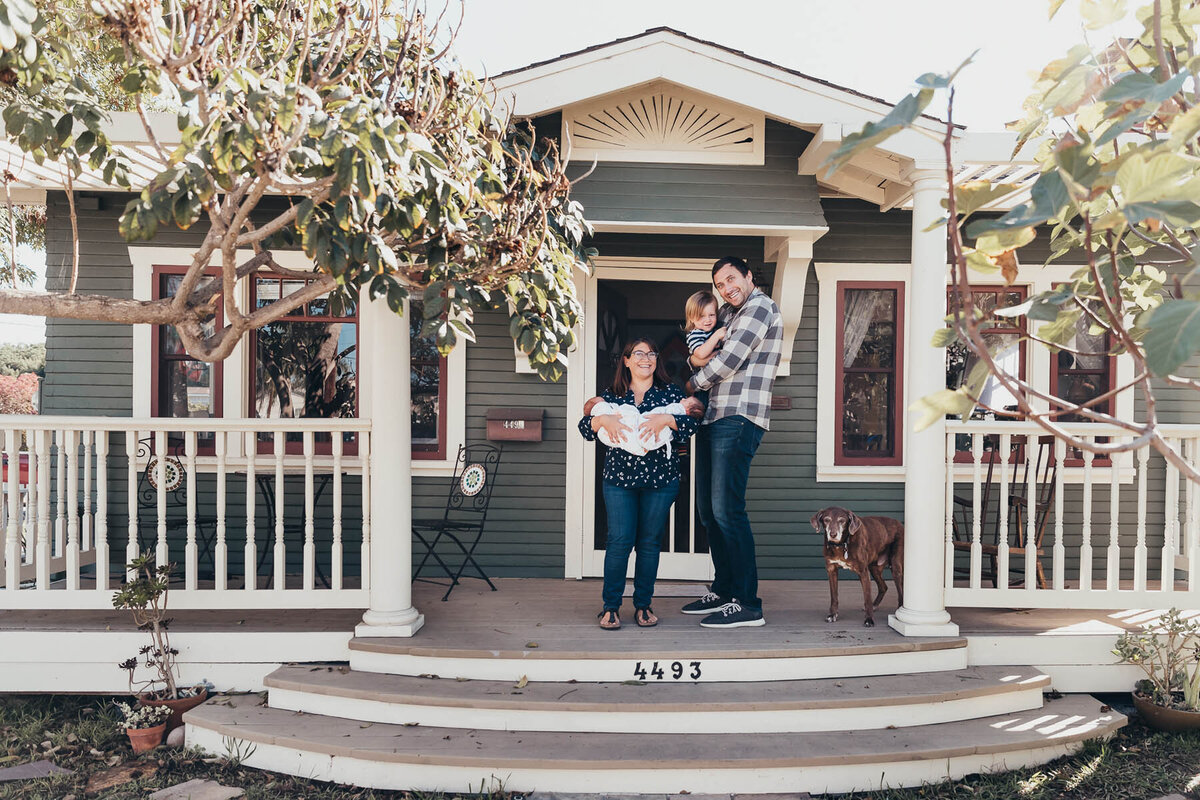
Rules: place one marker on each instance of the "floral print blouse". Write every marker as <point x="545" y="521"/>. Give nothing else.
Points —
<point x="657" y="468"/>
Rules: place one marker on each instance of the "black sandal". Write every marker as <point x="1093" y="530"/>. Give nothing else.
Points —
<point x="645" y="617"/>
<point x="610" y="620"/>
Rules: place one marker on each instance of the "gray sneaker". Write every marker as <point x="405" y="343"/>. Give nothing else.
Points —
<point x="705" y="605"/>
<point x="734" y="615"/>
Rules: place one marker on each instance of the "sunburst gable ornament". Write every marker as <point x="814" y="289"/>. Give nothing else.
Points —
<point x="666" y="123"/>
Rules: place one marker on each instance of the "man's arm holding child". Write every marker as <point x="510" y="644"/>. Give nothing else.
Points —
<point x="704" y="352"/>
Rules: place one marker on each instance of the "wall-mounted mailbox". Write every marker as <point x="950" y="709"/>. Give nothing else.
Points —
<point x="515" y="424"/>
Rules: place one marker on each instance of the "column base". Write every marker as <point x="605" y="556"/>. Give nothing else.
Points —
<point x="390" y="624"/>
<point x="922" y="623"/>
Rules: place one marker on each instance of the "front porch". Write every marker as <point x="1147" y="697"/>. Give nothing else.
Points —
<point x="547" y="627"/>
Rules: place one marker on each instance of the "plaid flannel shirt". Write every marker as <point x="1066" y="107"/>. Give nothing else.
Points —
<point x="741" y="374"/>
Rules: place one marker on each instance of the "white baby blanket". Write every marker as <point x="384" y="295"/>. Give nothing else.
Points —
<point x="633" y="419"/>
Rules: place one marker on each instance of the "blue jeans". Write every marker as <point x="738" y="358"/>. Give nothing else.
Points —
<point x="636" y="518"/>
<point x="724" y="451"/>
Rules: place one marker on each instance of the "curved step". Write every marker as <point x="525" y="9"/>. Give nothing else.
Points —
<point x="733" y="656"/>
<point x="779" y="706"/>
<point x="377" y="755"/>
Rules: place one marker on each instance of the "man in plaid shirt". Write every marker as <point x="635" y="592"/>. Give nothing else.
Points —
<point x="739" y="378"/>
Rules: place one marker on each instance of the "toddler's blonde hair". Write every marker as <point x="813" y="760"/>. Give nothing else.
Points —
<point x="695" y="307"/>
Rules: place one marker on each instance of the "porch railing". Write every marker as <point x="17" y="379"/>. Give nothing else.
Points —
<point x="1032" y="523"/>
<point x="250" y="513"/>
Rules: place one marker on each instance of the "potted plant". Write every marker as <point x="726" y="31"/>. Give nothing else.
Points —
<point x="1169" y="653"/>
<point x="144" y="725"/>
<point x="145" y="595"/>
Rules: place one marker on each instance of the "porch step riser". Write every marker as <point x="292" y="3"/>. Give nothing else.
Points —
<point x="775" y="721"/>
<point x="711" y="670"/>
<point x="468" y="779"/>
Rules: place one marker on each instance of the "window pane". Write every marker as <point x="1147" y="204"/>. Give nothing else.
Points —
<point x="1078" y="388"/>
<point x="1095" y="345"/>
<point x="306" y="369"/>
<point x="288" y="288"/>
<point x="266" y="291"/>
<point x="866" y="417"/>
<point x="425" y="384"/>
<point x="1006" y="352"/>
<point x="187" y="389"/>
<point x="869" y="332"/>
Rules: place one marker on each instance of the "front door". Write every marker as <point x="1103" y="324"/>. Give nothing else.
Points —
<point x="624" y="303"/>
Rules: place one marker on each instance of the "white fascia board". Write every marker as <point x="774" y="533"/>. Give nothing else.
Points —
<point x="703" y="68"/>
<point x="987" y="147"/>
<point x="124" y="127"/>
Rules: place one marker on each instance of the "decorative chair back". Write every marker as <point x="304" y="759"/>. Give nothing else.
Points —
<point x="475" y="472"/>
<point x="174" y="472"/>
<point x="1045" y="472"/>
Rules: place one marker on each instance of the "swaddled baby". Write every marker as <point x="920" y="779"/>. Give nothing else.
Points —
<point x="633" y="419"/>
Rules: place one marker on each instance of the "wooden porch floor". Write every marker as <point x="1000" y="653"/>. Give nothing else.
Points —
<point x="550" y="611"/>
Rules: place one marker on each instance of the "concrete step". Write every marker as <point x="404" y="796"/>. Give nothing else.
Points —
<point x="659" y="705"/>
<point x="425" y="758"/>
<point x="733" y="656"/>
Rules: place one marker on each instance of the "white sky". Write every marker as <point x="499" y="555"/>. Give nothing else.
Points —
<point x="874" y="46"/>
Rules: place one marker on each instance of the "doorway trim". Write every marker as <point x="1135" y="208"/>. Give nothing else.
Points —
<point x="581" y="470"/>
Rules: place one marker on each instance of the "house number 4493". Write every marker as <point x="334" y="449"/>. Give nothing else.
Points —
<point x="661" y="672"/>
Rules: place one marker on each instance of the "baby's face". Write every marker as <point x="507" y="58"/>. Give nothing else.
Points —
<point x="708" y="318"/>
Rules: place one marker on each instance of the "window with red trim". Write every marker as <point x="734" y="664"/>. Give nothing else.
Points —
<point x="1004" y="339"/>
<point x="870" y="373"/>
<point x="305" y="364"/>
<point x="428" y="390"/>
<point x="1082" y="371"/>
<point x="181" y="386"/>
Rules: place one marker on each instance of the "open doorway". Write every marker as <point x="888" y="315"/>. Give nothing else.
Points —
<point x="627" y="309"/>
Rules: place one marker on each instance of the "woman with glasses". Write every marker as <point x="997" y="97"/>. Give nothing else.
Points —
<point x="638" y="489"/>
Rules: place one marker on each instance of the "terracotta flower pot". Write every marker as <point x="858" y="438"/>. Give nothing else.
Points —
<point x="178" y="707"/>
<point x="144" y="739"/>
<point x="1166" y="719"/>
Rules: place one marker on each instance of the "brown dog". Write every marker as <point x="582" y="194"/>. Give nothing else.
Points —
<point x="864" y="545"/>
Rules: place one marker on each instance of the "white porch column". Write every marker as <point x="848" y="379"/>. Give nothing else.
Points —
<point x="924" y="611"/>
<point x="386" y="374"/>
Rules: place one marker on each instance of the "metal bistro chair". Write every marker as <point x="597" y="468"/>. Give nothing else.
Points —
<point x="175" y="473"/>
<point x="462" y="523"/>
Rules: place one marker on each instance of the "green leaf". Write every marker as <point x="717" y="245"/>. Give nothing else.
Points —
<point x="1099" y="14"/>
<point x="971" y="196"/>
<point x="1143" y="86"/>
<point x="1172" y="335"/>
<point x="936" y="406"/>
<point x="996" y="242"/>
<point x="902" y="115"/>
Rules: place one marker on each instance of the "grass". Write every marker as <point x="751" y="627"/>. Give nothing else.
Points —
<point x="80" y="734"/>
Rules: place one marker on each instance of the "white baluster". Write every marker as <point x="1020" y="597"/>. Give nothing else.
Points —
<point x="280" y="582"/>
<point x="72" y="509"/>
<point x="948" y="579"/>
<point x="364" y="453"/>
<point x="1060" y="550"/>
<point x="102" y="511"/>
<point x="310" y="547"/>
<point x="1085" y="550"/>
<point x="1002" y="535"/>
<point x="335" y="550"/>
<point x="1140" y="559"/>
<point x="131" y="485"/>
<point x="60" y="489"/>
<point x="1170" y="544"/>
<point x="12" y="538"/>
<point x="221" y="552"/>
<point x="162" y="555"/>
<point x="977" y="510"/>
<point x="30" y="527"/>
<point x="190" y="567"/>
<point x="43" y="516"/>
<point x="1031" y="510"/>
<point x="86" y="523"/>
<point x="250" y="552"/>
<point x="1112" y="571"/>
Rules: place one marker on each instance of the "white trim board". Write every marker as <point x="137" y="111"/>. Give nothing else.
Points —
<point x="234" y="396"/>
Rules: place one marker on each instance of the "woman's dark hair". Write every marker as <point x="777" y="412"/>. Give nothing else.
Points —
<point x="622" y="379"/>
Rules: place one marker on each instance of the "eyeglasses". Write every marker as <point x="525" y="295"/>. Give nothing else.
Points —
<point x="643" y="355"/>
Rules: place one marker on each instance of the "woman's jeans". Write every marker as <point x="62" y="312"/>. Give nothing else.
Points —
<point x="636" y="519"/>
